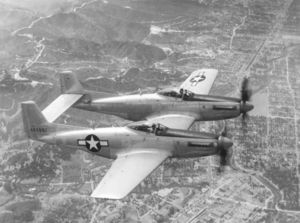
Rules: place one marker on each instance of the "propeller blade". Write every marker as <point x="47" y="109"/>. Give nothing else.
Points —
<point x="224" y="131"/>
<point x="225" y="151"/>
<point x="245" y="119"/>
<point x="225" y="159"/>
<point x="246" y="92"/>
<point x="223" y="155"/>
<point x="245" y="116"/>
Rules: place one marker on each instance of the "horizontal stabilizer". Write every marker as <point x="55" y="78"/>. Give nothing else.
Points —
<point x="60" y="105"/>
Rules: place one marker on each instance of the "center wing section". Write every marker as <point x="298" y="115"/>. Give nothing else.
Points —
<point x="200" y="81"/>
<point x="72" y="92"/>
<point x="174" y="121"/>
<point x="127" y="171"/>
<point x="60" y="105"/>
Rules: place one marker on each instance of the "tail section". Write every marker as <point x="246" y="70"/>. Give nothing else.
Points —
<point x="72" y="94"/>
<point x="71" y="85"/>
<point x="35" y="123"/>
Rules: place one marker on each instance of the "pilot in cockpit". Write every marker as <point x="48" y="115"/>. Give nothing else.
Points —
<point x="185" y="94"/>
<point x="155" y="128"/>
<point x="158" y="129"/>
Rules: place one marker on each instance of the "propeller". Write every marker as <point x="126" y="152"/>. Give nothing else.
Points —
<point x="225" y="149"/>
<point x="246" y="94"/>
<point x="246" y="91"/>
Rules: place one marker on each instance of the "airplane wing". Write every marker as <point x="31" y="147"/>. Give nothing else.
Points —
<point x="127" y="171"/>
<point x="60" y="105"/>
<point x="175" y="121"/>
<point x="200" y="81"/>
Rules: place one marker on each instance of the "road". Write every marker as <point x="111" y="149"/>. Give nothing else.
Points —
<point x="235" y="29"/>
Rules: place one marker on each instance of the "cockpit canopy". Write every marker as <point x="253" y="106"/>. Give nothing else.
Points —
<point x="184" y="94"/>
<point x="147" y="127"/>
<point x="170" y="93"/>
<point x="161" y="130"/>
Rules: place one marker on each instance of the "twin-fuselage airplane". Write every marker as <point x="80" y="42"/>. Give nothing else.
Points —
<point x="162" y="131"/>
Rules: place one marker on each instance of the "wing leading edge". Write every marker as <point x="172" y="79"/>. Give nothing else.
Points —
<point x="127" y="171"/>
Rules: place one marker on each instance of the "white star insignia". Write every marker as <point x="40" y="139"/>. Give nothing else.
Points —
<point x="92" y="143"/>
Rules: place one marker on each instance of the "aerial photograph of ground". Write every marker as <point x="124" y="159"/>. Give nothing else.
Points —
<point x="130" y="46"/>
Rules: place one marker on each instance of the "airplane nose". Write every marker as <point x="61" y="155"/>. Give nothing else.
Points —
<point x="245" y="107"/>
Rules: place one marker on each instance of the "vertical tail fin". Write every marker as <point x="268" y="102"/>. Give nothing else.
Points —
<point x="70" y="84"/>
<point x="35" y="124"/>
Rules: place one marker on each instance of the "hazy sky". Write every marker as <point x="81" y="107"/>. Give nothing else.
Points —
<point x="42" y="6"/>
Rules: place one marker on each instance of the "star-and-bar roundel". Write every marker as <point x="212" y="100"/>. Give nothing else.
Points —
<point x="92" y="143"/>
<point x="198" y="78"/>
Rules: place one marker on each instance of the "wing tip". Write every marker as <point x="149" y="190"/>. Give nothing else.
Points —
<point x="210" y="70"/>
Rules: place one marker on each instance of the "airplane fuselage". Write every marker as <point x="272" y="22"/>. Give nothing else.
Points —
<point x="110" y="142"/>
<point x="139" y="107"/>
